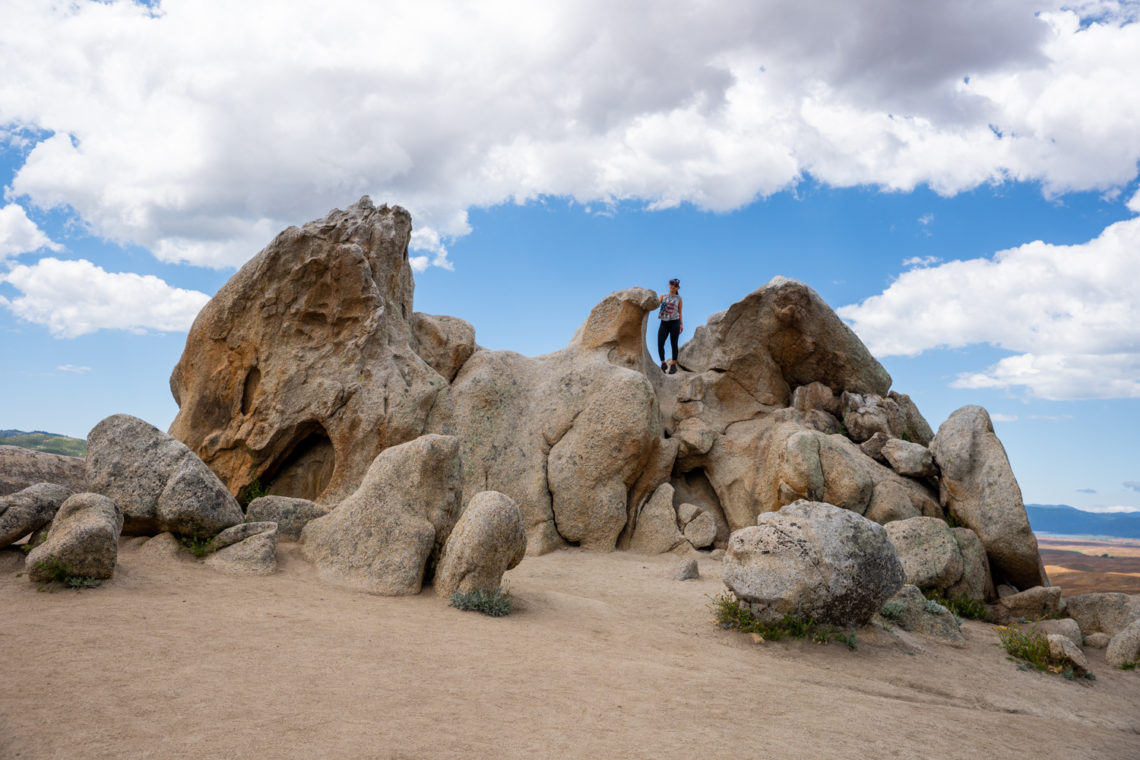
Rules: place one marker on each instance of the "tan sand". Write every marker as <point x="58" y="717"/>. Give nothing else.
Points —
<point x="605" y="656"/>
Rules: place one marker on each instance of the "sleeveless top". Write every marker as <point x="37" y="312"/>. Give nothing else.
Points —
<point x="669" y="308"/>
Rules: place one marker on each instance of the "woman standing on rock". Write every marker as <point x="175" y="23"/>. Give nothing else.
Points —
<point x="671" y="324"/>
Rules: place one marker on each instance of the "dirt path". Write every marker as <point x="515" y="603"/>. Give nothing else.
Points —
<point x="604" y="656"/>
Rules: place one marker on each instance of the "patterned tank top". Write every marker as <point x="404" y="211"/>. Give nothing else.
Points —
<point x="670" y="308"/>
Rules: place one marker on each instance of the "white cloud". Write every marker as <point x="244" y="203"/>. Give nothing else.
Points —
<point x="921" y="261"/>
<point x="19" y="234"/>
<point x="199" y="130"/>
<point x="1110" y="510"/>
<point x="1132" y="484"/>
<point x="72" y="298"/>
<point x="997" y="417"/>
<point x="926" y="219"/>
<point x="1070" y="314"/>
<point x="77" y="370"/>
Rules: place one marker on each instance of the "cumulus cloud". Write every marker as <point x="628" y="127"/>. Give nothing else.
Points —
<point x="1121" y="509"/>
<point x="1132" y="484"/>
<point x="72" y="298"/>
<point x="200" y="128"/>
<point x="19" y="234"/>
<point x="1069" y="313"/>
<point x="998" y="417"/>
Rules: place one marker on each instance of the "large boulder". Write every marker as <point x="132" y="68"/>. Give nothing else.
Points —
<point x="304" y="366"/>
<point x="813" y="561"/>
<point x="573" y="437"/>
<point x="83" y="541"/>
<point x="911" y="611"/>
<point x="780" y="337"/>
<point x="488" y="539"/>
<point x="928" y="552"/>
<point x="390" y="531"/>
<point x="21" y="468"/>
<point x="979" y="490"/>
<point x="1107" y="612"/>
<point x="159" y="484"/>
<point x="1124" y="648"/>
<point x="29" y="510"/>
<point x="910" y="459"/>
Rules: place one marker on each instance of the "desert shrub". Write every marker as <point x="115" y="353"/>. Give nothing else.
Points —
<point x="195" y="544"/>
<point x="1028" y="646"/>
<point x="254" y="490"/>
<point x="731" y="615"/>
<point x="961" y="606"/>
<point x="57" y="571"/>
<point x="892" y="610"/>
<point x="1128" y="666"/>
<point x="495" y="603"/>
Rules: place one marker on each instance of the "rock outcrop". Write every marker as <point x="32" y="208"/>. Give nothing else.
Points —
<point x="936" y="556"/>
<point x="159" y="484"/>
<point x="21" y="468"/>
<point x="813" y="561"/>
<point x="385" y="536"/>
<point x="488" y="539"/>
<point x="310" y="364"/>
<point x="1103" y="612"/>
<point x="290" y="514"/>
<point x="83" y="541"/>
<point x="573" y="437"/>
<point x="303" y="367"/>
<point x="979" y="490"/>
<point x="1124" y="648"/>
<point x="29" y="510"/>
<point x="911" y="611"/>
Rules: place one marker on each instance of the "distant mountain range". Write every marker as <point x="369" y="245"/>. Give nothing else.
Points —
<point x="1070" y="521"/>
<point x="38" y="440"/>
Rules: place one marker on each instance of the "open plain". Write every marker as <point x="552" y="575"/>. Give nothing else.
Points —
<point x="604" y="655"/>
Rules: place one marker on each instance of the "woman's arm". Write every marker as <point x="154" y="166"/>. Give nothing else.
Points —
<point x="680" y="314"/>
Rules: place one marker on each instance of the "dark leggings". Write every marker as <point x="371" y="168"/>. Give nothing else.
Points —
<point x="672" y="328"/>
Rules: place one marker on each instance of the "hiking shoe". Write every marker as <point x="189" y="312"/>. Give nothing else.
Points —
<point x="664" y="366"/>
<point x="672" y="368"/>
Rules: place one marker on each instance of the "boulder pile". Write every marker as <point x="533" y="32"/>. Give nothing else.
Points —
<point x="400" y="453"/>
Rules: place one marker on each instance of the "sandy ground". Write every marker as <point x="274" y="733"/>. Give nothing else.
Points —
<point x="605" y="656"/>
<point x="1081" y="565"/>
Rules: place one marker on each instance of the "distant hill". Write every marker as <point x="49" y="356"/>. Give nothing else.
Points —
<point x="39" y="440"/>
<point x="1070" y="521"/>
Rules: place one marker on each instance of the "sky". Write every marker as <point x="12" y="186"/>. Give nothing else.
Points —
<point x="958" y="180"/>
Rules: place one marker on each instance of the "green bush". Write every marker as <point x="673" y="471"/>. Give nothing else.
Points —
<point x="196" y="545"/>
<point x="495" y="603"/>
<point x="962" y="606"/>
<point x="730" y="615"/>
<point x="892" y="610"/>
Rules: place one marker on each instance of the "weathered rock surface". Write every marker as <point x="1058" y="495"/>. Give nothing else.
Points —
<point x="488" y="539"/>
<point x="573" y="437"/>
<point x="1033" y="603"/>
<point x="290" y="514"/>
<point x="910" y="459"/>
<point x="445" y="343"/>
<point x="303" y="367"/>
<point x="928" y="552"/>
<point x="779" y="337"/>
<point x="21" y="468"/>
<point x="159" y="484"/>
<point x="915" y="427"/>
<point x="869" y="414"/>
<point x="1103" y="612"/>
<point x="978" y="488"/>
<point x="687" y="570"/>
<point x="1066" y="627"/>
<point x="29" y="510"/>
<point x="700" y="531"/>
<point x="911" y="611"/>
<point x="975" y="582"/>
<point x="390" y="531"/>
<point x="813" y="560"/>
<point x="656" y="531"/>
<point x="246" y="549"/>
<point x="1097" y="640"/>
<point x="1124" y="647"/>
<point x="83" y="540"/>
<point x="1063" y="651"/>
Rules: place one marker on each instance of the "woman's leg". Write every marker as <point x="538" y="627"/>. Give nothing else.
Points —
<point x="674" y="334"/>
<point x="662" y="331"/>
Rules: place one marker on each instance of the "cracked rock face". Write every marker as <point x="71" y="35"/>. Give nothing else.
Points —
<point x="303" y="367"/>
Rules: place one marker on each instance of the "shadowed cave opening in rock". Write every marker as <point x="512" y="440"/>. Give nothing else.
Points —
<point x="304" y="469"/>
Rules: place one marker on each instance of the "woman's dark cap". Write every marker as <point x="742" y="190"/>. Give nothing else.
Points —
<point x="675" y="281"/>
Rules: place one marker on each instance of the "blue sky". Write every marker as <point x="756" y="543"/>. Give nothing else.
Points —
<point x="959" y="180"/>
